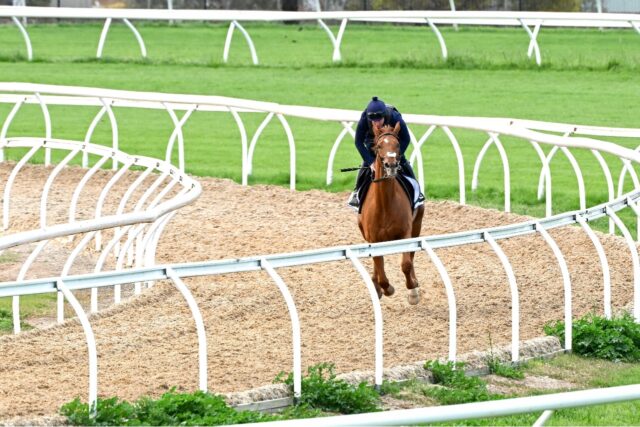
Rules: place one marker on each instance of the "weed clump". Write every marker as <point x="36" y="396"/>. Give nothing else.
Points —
<point x="321" y="393"/>
<point x="322" y="390"/>
<point x="455" y="385"/>
<point x="497" y="367"/>
<point x="188" y="409"/>
<point x="616" y="339"/>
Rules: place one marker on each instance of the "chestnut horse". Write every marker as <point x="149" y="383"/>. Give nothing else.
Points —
<point x="387" y="213"/>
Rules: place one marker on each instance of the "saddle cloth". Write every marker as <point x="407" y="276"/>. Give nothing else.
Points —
<point x="408" y="184"/>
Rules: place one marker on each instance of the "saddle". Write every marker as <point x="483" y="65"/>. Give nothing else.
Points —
<point x="409" y="185"/>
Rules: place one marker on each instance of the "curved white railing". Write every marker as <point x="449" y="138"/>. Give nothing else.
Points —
<point x="145" y="215"/>
<point x="531" y="22"/>
<point x="270" y="263"/>
<point x="524" y="132"/>
<point x="494" y="128"/>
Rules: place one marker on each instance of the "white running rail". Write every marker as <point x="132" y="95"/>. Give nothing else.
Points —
<point x="529" y="133"/>
<point x="535" y="132"/>
<point x="172" y="189"/>
<point x="531" y="22"/>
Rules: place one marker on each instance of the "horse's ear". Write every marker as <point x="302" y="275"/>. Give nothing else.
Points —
<point x="376" y="129"/>
<point x="396" y="129"/>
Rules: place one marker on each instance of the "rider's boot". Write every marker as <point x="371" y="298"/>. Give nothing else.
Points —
<point x="353" y="201"/>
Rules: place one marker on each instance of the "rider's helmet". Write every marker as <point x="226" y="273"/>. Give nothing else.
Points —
<point x="376" y="109"/>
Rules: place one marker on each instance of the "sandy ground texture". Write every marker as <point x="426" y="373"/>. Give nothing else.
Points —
<point x="148" y="344"/>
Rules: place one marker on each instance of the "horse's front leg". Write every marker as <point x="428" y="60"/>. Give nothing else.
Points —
<point x="410" y="275"/>
<point x="381" y="277"/>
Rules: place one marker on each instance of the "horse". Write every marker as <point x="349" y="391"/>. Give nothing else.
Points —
<point x="387" y="213"/>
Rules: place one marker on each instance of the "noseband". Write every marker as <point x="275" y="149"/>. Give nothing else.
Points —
<point x="376" y="144"/>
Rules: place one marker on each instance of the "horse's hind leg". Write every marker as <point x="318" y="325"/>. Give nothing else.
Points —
<point x="383" y="281"/>
<point x="410" y="275"/>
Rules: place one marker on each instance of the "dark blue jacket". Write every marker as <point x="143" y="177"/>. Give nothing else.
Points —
<point x="364" y="134"/>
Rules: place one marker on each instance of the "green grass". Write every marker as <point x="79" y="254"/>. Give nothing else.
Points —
<point x="6" y="322"/>
<point x="588" y="77"/>
<point x="453" y="386"/>
<point x="488" y="75"/>
<point x="585" y="373"/>
<point x="582" y="372"/>
<point x="307" y="45"/>
<point x="30" y="306"/>
<point x="323" y="395"/>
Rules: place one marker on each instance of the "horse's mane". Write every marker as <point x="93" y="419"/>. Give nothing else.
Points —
<point x="386" y="129"/>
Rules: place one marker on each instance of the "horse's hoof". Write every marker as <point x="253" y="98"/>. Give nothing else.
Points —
<point x="414" y="296"/>
<point x="389" y="291"/>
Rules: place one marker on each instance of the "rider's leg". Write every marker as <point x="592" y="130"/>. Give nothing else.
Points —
<point x="360" y="180"/>
<point x="407" y="170"/>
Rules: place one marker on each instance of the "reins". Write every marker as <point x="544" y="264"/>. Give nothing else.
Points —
<point x="376" y="143"/>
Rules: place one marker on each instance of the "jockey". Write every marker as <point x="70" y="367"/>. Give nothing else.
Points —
<point x="381" y="114"/>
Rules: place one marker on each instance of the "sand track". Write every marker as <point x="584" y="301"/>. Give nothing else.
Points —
<point x="148" y="344"/>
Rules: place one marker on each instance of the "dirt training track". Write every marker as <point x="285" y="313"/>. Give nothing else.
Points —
<point x="148" y="345"/>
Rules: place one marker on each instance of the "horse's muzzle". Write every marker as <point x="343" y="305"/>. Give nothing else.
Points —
<point x="391" y="171"/>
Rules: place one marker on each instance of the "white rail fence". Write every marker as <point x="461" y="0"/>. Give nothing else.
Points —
<point x="531" y="22"/>
<point x="143" y="209"/>
<point x="522" y="405"/>
<point x="270" y="263"/>
<point x="525" y="132"/>
<point x="533" y="132"/>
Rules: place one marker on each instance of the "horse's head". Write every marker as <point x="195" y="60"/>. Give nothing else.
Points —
<point x="387" y="148"/>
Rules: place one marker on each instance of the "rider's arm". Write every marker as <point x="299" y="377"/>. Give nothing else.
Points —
<point x="404" y="136"/>
<point x="361" y="134"/>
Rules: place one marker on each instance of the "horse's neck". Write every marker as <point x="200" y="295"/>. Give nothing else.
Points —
<point x="383" y="191"/>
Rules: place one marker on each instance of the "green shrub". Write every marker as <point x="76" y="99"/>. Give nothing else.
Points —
<point x="321" y="390"/>
<point x="456" y="386"/>
<point x="615" y="339"/>
<point x="110" y="412"/>
<point x="172" y="408"/>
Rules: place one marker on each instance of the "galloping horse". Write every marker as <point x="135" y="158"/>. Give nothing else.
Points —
<point x="387" y="213"/>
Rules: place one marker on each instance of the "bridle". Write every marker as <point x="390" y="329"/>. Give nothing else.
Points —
<point x="375" y="144"/>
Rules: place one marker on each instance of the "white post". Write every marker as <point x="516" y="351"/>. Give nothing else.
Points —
<point x="604" y="264"/>
<point x="543" y="418"/>
<point x="25" y="36"/>
<point x="202" y="336"/>
<point x="295" y="326"/>
<point x="91" y="344"/>
<point x="452" y="4"/>
<point x="377" y="313"/>
<point x="103" y="37"/>
<point x="292" y="151"/>
<point x="254" y="141"/>
<point x="634" y="256"/>
<point x="515" y="303"/>
<point x="566" y="284"/>
<point x="451" y="299"/>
